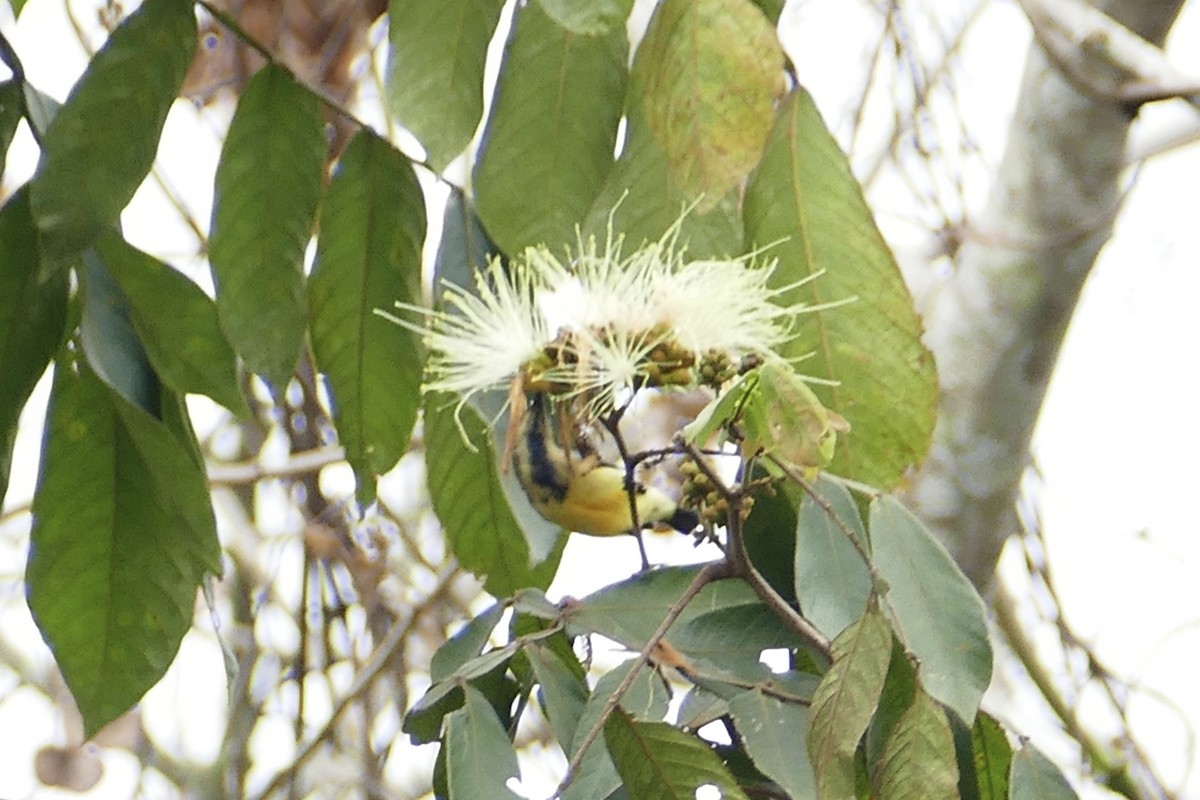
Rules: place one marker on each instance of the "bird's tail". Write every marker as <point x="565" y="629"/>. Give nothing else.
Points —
<point x="684" y="520"/>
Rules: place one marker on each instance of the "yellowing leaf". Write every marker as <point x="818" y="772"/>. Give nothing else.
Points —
<point x="845" y="701"/>
<point x="803" y="432"/>
<point x="657" y="760"/>
<point x="714" y="69"/>
<point x="918" y="760"/>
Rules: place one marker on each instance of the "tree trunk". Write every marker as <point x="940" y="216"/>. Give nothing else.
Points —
<point x="996" y="324"/>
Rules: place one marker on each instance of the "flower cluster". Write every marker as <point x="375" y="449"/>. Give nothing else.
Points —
<point x="600" y="324"/>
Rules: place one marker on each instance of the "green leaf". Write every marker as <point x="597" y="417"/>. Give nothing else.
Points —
<point x="709" y="698"/>
<point x="564" y="691"/>
<point x="267" y="185"/>
<point x="11" y="112"/>
<point x="701" y="706"/>
<point x="483" y="533"/>
<point x="123" y="533"/>
<point x="369" y="257"/>
<point x="721" y="410"/>
<point x="175" y="418"/>
<point x="465" y="247"/>
<point x="8" y="58"/>
<point x="804" y="201"/>
<point x="641" y="199"/>
<point x="1035" y="777"/>
<point x="176" y="323"/>
<point x="588" y="17"/>
<point x="487" y="672"/>
<point x="845" y="702"/>
<point x="832" y="580"/>
<point x="934" y="608"/>
<point x="918" y="761"/>
<point x="630" y="611"/>
<point x="435" y="70"/>
<point x="725" y="644"/>
<point x="770" y="729"/>
<point x="423" y="722"/>
<point x="17" y="5"/>
<point x="899" y="689"/>
<point x="770" y="537"/>
<point x="110" y="342"/>
<point x="713" y="71"/>
<point x="40" y="109"/>
<point x="991" y="757"/>
<point x="657" y="761"/>
<point x="466" y="644"/>
<point x="550" y="134"/>
<point x="102" y="142"/>
<point x="646" y="700"/>
<point x="479" y="757"/>
<point x="531" y="629"/>
<point x="33" y="312"/>
<point x="535" y="603"/>
<point x="440" y="790"/>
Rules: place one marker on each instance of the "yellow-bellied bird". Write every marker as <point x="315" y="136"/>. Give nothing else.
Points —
<point x="579" y="492"/>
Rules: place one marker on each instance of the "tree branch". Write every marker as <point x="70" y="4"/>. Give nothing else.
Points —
<point x="1104" y="58"/>
<point x="250" y="472"/>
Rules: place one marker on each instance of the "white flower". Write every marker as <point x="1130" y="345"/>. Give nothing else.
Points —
<point x="482" y="338"/>
<point x="599" y="324"/>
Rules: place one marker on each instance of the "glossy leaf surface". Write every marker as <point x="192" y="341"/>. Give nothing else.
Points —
<point x="123" y="533"/>
<point x="804" y="202"/>
<point x="435" y="70"/>
<point x="550" y="134"/>
<point x="265" y="202"/>
<point x="936" y="611"/>
<point x="103" y="140"/>
<point x="368" y="258"/>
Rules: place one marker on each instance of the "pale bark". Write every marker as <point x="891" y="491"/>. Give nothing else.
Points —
<point x="996" y="324"/>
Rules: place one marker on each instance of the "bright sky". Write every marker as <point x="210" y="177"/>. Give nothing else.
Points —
<point x="1115" y="441"/>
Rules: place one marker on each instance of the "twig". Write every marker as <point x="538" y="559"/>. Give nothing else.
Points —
<point x="308" y="575"/>
<point x="740" y="566"/>
<point x="249" y="472"/>
<point x="14" y="512"/>
<point x="712" y="571"/>
<point x="244" y="709"/>
<point x="1123" y="748"/>
<point x="923" y="93"/>
<point x="176" y="201"/>
<point x="1085" y="43"/>
<point x="783" y="610"/>
<point x="380" y="658"/>
<point x="613" y="423"/>
<point x="740" y="563"/>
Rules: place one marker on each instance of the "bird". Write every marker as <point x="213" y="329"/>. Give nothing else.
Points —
<point x="581" y="493"/>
